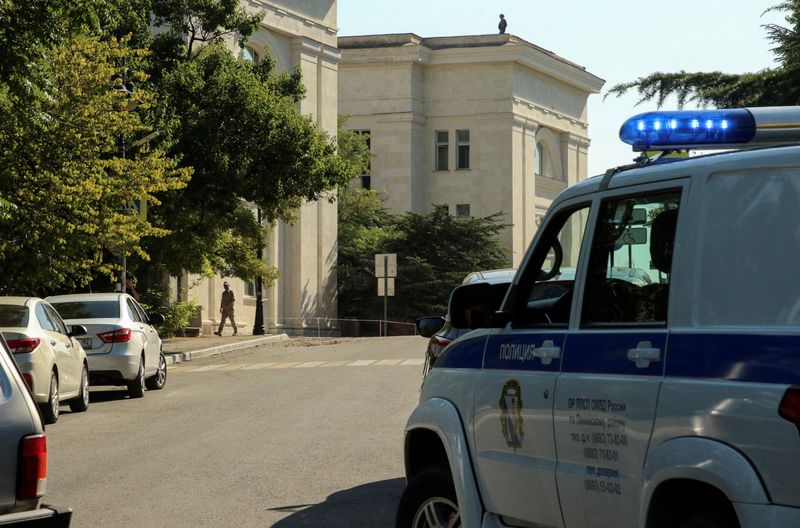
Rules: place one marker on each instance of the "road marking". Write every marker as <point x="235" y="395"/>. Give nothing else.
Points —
<point x="413" y="362"/>
<point x="285" y="365"/>
<point x="361" y="363"/>
<point x="206" y="368"/>
<point x="257" y="366"/>
<point x="309" y="364"/>
<point x="335" y="364"/>
<point x="233" y="366"/>
<point x="388" y="362"/>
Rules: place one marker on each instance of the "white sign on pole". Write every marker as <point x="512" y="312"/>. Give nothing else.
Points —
<point x="389" y="287"/>
<point x="386" y="265"/>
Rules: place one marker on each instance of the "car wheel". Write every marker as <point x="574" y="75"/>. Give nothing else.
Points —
<point x="51" y="408"/>
<point x="716" y="518"/>
<point x="136" y="387"/>
<point x="429" y="501"/>
<point x="159" y="379"/>
<point x="81" y="403"/>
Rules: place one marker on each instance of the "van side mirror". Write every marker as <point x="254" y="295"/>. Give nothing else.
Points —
<point x="427" y="326"/>
<point x="475" y="305"/>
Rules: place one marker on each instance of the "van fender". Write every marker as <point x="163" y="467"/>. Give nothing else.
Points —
<point x="441" y="417"/>
<point x="703" y="460"/>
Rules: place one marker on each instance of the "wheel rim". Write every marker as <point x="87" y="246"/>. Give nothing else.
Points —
<point x="85" y="386"/>
<point x="437" y="512"/>
<point x="54" y="403"/>
<point x="161" y="375"/>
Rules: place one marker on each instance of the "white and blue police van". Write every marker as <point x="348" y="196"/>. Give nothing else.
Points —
<point x="671" y="400"/>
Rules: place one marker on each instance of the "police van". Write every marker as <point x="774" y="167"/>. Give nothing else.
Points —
<point x="671" y="400"/>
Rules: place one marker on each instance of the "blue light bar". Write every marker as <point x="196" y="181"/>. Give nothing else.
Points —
<point x="689" y="129"/>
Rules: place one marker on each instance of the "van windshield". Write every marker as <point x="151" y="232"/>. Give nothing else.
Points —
<point x="88" y="309"/>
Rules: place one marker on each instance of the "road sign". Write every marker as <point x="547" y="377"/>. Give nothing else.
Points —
<point x="386" y="265"/>
<point x="388" y="289"/>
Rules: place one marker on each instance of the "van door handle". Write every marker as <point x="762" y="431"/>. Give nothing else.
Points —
<point x="547" y="352"/>
<point x="644" y="354"/>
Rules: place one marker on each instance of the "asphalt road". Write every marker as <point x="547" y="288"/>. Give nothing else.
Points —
<point x="296" y="433"/>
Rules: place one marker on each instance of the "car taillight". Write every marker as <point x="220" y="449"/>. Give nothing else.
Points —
<point x="28" y="379"/>
<point x="24" y="345"/>
<point x="121" y="335"/>
<point x="789" y="409"/>
<point x="437" y="344"/>
<point x="32" y="467"/>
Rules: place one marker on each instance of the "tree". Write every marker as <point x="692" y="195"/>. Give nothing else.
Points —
<point x="66" y="170"/>
<point x="769" y="87"/>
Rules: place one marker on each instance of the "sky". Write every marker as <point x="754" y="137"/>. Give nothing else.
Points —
<point x="616" y="40"/>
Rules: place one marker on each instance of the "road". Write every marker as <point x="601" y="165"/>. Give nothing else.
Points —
<point x="297" y="433"/>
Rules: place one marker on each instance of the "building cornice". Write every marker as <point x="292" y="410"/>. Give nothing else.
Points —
<point x="314" y="47"/>
<point x="281" y="11"/>
<point x="545" y="111"/>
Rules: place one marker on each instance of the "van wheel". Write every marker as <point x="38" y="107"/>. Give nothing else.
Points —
<point x="51" y="408"/>
<point x="136" y="387"/>
<point x="716" y="518"/>
<point x="429" y="501"/>
<point x="159" y="379"/>
<point x="81" y="403"/>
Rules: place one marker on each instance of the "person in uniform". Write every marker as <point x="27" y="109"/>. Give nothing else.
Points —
<point x="502" y="25"/>
<point x="226" y="309"/>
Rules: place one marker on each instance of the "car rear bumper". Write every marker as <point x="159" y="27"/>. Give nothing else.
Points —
<point x="44" y="517"/>
<point x="113" y="366"/>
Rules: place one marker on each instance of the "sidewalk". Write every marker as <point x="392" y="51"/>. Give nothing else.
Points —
<point x="178" y="349"/>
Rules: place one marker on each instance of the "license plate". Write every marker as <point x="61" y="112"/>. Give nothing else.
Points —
<point x="86" y="342"/>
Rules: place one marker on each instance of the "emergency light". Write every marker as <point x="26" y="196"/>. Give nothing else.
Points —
<point x="712" y="129"/>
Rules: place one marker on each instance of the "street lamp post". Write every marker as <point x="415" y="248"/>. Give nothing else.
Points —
<point x="258" y="326"/>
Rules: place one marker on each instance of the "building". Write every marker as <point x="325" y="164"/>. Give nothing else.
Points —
<point x="483" y="124"/>
<point x="298" y="34"/>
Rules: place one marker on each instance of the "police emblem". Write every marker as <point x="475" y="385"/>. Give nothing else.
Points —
<point x="511" y="414"/>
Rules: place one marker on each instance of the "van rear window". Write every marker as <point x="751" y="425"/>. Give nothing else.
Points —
<point x="88" y="309"/>
<point x="13" y="316"/>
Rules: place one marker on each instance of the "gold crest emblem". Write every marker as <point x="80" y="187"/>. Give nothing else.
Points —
<point x="511" y="414"/>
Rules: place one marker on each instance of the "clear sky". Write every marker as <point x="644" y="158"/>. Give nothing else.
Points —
<point x="616" y="40"/>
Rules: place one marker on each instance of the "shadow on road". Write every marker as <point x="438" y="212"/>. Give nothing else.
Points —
<point x="373" y="504"/>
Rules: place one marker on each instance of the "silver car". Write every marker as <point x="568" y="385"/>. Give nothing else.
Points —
<point x="122" y="345"/>
<point x="51" y="360"/>
<point x="23" y="466"/>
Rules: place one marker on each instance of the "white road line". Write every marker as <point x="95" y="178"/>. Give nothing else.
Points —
<point x="207" y="368"/>
<point x="413" y="362"/>
<point x="257" y="366"/>
<point x="310" y="364"/>
<point x="361" y="363"/>
<point x="388" y="362"/>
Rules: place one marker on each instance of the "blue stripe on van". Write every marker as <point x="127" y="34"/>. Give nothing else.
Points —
<point x="463" y="353"/>
<point x="737" y="357"/>
<point x="515" y="351"/>
<point x="607" y="353"/>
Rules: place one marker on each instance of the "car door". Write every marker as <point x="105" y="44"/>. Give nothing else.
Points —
<point x="57" y="345"/>
<point x="144" y="330"/>
<point x="515" y="449"/>
<point x="72" y="364"/>
<point x="153" y="339"/>
<point x="613" y="364"/>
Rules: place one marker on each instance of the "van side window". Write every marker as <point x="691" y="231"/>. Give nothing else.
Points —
<point x="631" y="260"/>
<point x="545" y="295"/>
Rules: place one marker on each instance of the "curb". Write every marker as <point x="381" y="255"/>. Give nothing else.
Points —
<point x="178" y="357"/>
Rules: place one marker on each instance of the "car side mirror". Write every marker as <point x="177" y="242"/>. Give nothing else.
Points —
<point x="77" y="330"/>
<point x="475" y="305"/>
<point x="156" y="320"/>
<point x="427" y="326"/>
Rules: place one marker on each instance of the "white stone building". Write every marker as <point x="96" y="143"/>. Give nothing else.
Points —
<point x="298" y="34"/>
<point x="483" y="124"/>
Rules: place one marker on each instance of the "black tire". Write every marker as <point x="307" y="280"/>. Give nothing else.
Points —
<point x="50" y="410"/>
<point x="715" y="518"/>
<point x="429" y="501"/>
<point x="81" y="403"/>
<point x="136" y="387"/>
<point x="159" y="379"/>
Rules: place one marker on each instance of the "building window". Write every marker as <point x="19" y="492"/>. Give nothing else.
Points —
<point x="442" y="149"/>
<point x="249" y="54"/>
<point x="365" y="177"/>
<point x="365" y="182"/>
<point x="250" y="288"/>
<point x="462" y="138"/>
<point x="539" y="159"/>
<point x="462" y="210"/>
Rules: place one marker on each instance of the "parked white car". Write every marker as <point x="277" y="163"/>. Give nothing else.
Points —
<point x="52" y="361"/>
<point x="122" y="345"/>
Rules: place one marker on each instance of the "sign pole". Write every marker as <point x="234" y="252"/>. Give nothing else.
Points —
<point x="385" y="295"/>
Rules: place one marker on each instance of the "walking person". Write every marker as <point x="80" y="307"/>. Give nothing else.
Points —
<point x="226" y="309"/>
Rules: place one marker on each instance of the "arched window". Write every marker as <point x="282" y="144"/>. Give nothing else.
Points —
<point x="250" y="54"/>
<point x="538" y="161"/>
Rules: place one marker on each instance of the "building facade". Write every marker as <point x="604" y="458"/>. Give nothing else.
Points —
<point x="298" y="34"/>
<point x="483" y="124"/>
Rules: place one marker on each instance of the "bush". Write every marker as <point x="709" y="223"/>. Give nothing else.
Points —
<point x="176" y="313"/>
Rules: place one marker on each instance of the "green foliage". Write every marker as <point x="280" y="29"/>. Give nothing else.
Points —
<point x="353" y="147"/>
<point x="435" y="251"/>
<point x="160" y="300"/>
<point x="66" y="173"/>
<point x="770" y="87"/>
